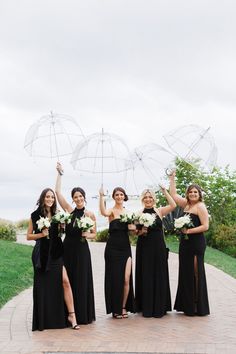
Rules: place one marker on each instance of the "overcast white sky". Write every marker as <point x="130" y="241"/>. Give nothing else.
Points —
<point x="137" y="68"/>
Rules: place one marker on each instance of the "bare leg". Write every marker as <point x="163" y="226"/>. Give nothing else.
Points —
<point x="68" y="297"/>
<point x="128" y="269"/>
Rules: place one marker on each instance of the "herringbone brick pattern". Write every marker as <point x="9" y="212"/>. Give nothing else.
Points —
<point x="174" y="333"/>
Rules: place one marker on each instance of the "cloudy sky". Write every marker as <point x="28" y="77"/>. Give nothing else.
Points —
<point x="137" y="68"/>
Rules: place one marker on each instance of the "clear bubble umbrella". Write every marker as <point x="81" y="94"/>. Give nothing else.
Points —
<point x="149" y="163"/>
<point x="193" y="144"/>
<point x="53" y="136"/>
<point x="101" y="153"/>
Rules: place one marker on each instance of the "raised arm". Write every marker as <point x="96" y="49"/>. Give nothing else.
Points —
<point x="182" y="202"/>
<point x="61" y="200"/>
<point x="171" y="203"/>
<point x="102" y="207"/>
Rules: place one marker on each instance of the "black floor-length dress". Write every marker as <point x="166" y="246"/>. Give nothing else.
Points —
<point x="77" y="260"/>
<point x="152" y="289"/>
<point x="192" y="297"/>
<point x="117" y="252"/>
<point x="48" y="296"/>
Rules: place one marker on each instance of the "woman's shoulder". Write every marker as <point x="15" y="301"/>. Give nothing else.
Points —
<point x="115" y="213"/>
<point x="201" y="206"/>
<point x="89" y="213"/>
<point x="198" y="208"/>
<point x="157" y="210"/>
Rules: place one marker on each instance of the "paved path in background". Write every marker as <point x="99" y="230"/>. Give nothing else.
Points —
<point x="174" y="333"/>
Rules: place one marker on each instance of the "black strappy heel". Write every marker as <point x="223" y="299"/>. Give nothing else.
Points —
<point x="125" y="315"/>
<point x="76" y="326"/>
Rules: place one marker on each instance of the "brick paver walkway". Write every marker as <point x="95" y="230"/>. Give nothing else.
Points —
<point x="174" y="333"/>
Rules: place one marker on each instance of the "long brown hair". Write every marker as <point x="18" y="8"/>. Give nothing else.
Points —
<point x="41" y="204"/>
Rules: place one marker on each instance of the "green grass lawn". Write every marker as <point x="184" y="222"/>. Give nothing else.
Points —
<point x="16" y="272"/>
<point x="212" y="256"/>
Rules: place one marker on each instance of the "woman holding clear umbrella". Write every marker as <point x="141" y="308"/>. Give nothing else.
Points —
<point x="152" y="289"/>
<point x="77" y="258"/>
<point x="192" y="297"/>
<point x="119" y="295"/>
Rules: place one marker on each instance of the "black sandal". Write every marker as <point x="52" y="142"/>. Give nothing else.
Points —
<point x="124" y="315"/>
<point x="75" y="326"/>
<point x="117" y="316"/>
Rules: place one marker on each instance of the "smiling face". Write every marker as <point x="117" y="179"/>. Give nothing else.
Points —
<point x="49" y="199"/>
<point x="193" y="195"/>
<point x="148" y="200"/>
<point x="119" y="197"/>
<point x="79" y="200"/>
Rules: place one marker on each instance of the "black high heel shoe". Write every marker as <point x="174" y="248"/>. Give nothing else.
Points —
<point x="117" y="316"/>
<point x="75" y="326"/>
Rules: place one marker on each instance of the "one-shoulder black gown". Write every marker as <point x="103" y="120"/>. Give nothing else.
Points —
<point x="152" y="289"/>
<point x="117" y="252"/>
<point x="192" y="297"/>
<point x="48" y="296"/>
<point x="77" y="260"/>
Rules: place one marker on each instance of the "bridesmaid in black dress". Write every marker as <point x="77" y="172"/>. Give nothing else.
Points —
<point x="77" y="258"/>
<point x="119" y="295"/>
<point x="51" y="285"/>
<point x="152" y="289"/>
<point x="192" y="297"/>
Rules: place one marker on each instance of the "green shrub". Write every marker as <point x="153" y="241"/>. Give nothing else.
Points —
<point x="133" y="240"/>
<point x="102" y="236"/>
<point x="225" y="239"/>
<point x="7" y="231"/>
<point x="22" y="224"/>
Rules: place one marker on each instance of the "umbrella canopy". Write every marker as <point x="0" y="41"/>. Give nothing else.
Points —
<point x="101" y="153"/>
<point x="149" y="163"/>
<point x="193" y="144"/>
<point x="53" y="136"/>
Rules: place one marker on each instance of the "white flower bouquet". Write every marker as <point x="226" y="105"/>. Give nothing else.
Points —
<point x="43" y="223"/>
<point x="184" y="222"/>
<point x="146" y="219"/>
<point x="61" y="218"/>
<point x="128" y="217"/>
<point x="84" y="224"/>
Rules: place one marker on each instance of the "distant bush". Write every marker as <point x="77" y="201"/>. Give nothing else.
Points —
<point x="133" y="240"/>
<point x="225" y="239"/>
<point x="102" y="236"/>
<point x="7" y="231"/>
<point x="22" y="224"/>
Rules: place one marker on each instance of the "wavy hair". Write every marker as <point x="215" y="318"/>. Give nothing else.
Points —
<point x="41" y="204"/>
